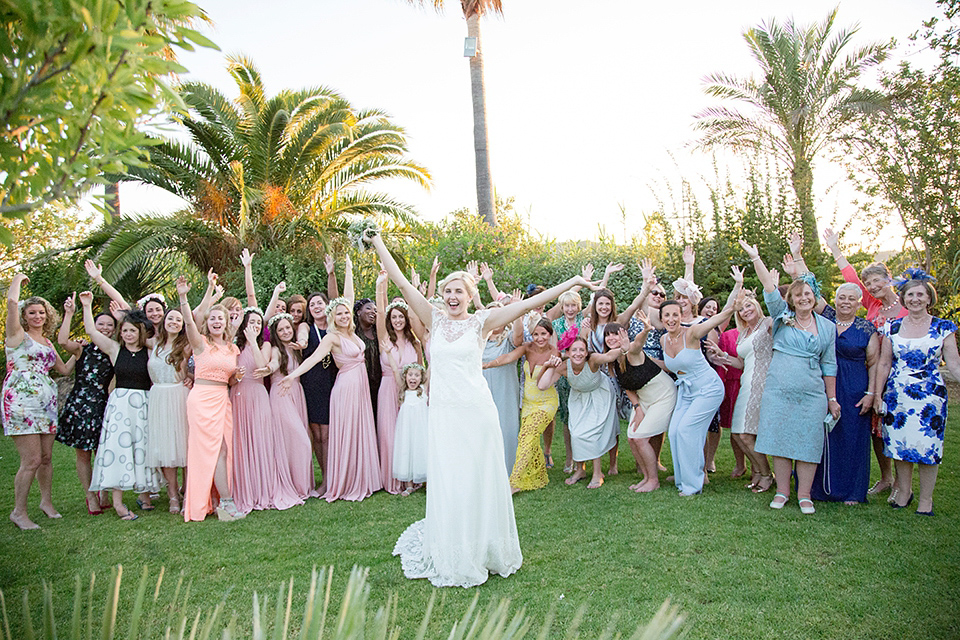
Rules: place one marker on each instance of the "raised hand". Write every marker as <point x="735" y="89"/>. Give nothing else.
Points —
<point x="749" y="249"/>
<point x="689" y="255"/>
<point x="613" y="268"/>
<point x="789" y="265"/>
<point x="381" y="277"/>
<point x="737" y="274"/>
<point x="414" y="278"/>
<point x="473" y="269"/>
<point x="280" y="288"/>
<point x="212" y="277"/>
<point x="831" y="238"/>
<point x="435" y="266"/>
<point x="485" y="271"/>
<point x="93" y="270"/>
<point x="86" y="298"/>
<point x="70" y="304"/>
<point x="795" y="242"/>
<point x="347" y="260"/>
<point x="624" y="338"/>
<point x="251" y="334"/>
<point x="328" y="263"/>
<point x="647" y="270"/>
<point x="183" y="287"/>
<point x="642" y="317"/>
<point x="587" y="271"/>
<point x="115" y="309"/>
<point x="246" y="258"/>
<point x="775" y="275"/>
<point x="516" y="296"/>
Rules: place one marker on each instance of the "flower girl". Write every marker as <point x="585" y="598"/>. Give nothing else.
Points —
<point x="410" y="446"/>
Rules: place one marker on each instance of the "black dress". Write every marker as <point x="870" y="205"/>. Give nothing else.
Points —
<point x="318" y="381"/>
<point x="82" y="417"/>
<point x="371" y="356"/>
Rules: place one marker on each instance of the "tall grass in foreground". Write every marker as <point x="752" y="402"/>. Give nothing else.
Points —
<point x="159" y="617"/>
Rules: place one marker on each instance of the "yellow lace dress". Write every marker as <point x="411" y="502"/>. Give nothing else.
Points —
<point x="539" y="407"/>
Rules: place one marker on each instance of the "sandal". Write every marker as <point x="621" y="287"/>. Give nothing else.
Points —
<point x="91" y="511"/>
<point x="144" y="506"/>
<point x="129" y="516"/>
<point x="879" y="486"/>
<point x="175" y="507"/>
<point x="759" y="488"/>
<point x="548" y="461"/>
<point x="776" y="503"/>
<point x="807" y="508"/>
<point x="595" y="485"/>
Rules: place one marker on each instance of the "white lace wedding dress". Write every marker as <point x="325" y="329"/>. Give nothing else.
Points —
<point x="470" y="530"/>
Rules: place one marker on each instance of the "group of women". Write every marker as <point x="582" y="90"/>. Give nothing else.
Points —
<point x="243" y="400"/>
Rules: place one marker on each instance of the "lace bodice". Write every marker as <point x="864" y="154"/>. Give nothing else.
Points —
<point x="161" y="372"/>
<point x="456" y="351"/>
<point x="217" y="362"/>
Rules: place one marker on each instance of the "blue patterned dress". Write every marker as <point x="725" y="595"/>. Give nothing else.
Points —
<point x="915" y="396"/>
<point x="844" y="471"/>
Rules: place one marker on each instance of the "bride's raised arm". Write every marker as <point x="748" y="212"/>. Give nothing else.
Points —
<point x="501" y="316"/>
<point x="411" y="294"/>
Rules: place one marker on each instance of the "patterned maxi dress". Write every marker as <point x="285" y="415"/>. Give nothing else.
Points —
<point x="539" y="407"/>
<point x="82" y="417"/>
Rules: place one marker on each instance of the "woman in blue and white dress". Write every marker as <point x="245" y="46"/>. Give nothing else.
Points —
<point x="915" y="397"/>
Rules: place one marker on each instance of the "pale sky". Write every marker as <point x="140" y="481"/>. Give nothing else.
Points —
<point x="586" y="101"/>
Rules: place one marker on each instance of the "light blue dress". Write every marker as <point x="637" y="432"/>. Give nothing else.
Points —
<point x="504" y="385"/>
<point x="794" y="399"/>
<point x="699" y="395"/>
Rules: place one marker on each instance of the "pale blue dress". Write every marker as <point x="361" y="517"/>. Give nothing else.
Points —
<point x="794" y="399"/>
<point x="504" y="385"/>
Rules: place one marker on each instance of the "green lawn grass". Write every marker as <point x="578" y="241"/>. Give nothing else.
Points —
<point x="737" y="568"/>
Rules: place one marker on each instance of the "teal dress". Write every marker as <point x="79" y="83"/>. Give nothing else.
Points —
<point x="794" y="399"/>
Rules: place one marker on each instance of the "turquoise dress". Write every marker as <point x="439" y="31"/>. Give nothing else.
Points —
<point x="794" y="399"/>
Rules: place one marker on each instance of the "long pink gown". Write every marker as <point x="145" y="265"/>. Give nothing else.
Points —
<point x="387" y="409"/>
<point x="290" y="415"/>
<point x="353" y="467"/>
<point x="260" y="481"/>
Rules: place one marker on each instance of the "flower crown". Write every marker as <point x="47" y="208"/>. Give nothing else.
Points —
<point x="155" y="297"/>
<point x="256" y="310"/>
<point x="333" y="304"/>
<point x="913" y="273"/>
<point x="399" y="304"/>
<point x="360" y="231"/>
<point x="414" y="365"/>
<point x="277" y="318"/>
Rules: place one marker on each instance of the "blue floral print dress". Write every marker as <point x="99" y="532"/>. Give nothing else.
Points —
<point x="915" y="397"/>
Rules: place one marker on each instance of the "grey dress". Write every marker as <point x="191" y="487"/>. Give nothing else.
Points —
<point x="594" y="423"/>
<point x="505" y="387"/>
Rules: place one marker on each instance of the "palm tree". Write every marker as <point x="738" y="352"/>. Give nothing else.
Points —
<point x="806" y="95"/>
<point x="472" y="10"/>
<point x="261" y="172"/>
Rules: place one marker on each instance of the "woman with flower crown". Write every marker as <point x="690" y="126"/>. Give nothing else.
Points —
<point x="397" y="340"/>
<point x="353" y="467"/>
<point x="801" y="388"/>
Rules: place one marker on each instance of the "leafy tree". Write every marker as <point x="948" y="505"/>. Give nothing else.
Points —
<point x="804" y="98"/>
<point x="281" y="172"/>
<point x="47" y="228"/>
<point x="78" y="79"/>
<point x="472" y="10"/>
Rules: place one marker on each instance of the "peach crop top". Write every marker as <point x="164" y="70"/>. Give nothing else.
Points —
<point x="216" y="363"/>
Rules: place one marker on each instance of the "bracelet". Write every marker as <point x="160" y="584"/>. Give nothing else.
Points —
<point x="869" y="393"/>
<point x="831" y="399"/>
<point x="636" y="405"/>
<point x="754" y="259"/>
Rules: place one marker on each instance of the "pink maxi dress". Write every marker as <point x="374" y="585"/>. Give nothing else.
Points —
<point x="388" y="407"/>
<point x="353" y="466"/>
<point x="261" y="480"/>
<point x="290" y="415"/>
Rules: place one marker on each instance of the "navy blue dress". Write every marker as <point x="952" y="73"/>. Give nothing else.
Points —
<point x="844" y="471"/>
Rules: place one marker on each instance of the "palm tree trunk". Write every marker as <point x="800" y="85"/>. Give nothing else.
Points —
<point x="484" y="185"/>
<point x="802" y="179"/>
<point x="112" y="198"/>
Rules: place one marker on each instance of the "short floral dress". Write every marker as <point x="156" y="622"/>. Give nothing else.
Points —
<point x="29" y="394"/>
<point x="916" y="397"/>
<point x="82" y="416"/>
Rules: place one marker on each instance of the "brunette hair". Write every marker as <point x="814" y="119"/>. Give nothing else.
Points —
<point x="544" y="324"/>
<point x="241" y="336"/>
<point x="180" y="343"/>
<point x="310" y="298"/>
<point x="407" y="329"/>
<point x="594" y="316"/>
<point x="609" y="329"/>
<point x="703" y="304"/>
<point x="297" y="299"/>
<point x="138" y="319"/>
<point x="278" y="343"/>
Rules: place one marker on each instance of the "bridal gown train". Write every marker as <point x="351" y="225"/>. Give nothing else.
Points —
<point x="469" y="531"/>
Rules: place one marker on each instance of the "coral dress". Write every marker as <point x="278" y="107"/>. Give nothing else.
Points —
<point x="261" y="479"/>
<point x="539" y="407"/>
<point x="353" y="465"/>
<point x="210" y="417"/>
<point x="469" y="531"/>
<point x="290" y="416"/>
<point x="387" y="408"/>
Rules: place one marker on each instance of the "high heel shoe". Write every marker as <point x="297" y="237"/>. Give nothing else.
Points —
<point x="902" y="506"/>
<point x="227" y="512"/>
<point x="93" y="512"/>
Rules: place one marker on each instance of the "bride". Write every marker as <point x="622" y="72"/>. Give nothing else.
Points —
<point x="469" y="531"/>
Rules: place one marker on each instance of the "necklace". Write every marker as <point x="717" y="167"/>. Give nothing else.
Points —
<point x="805" y="327"/>
<point x="844" y="324"/>
<point x="673" y="340"/>
<point x="884" y="308"/>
